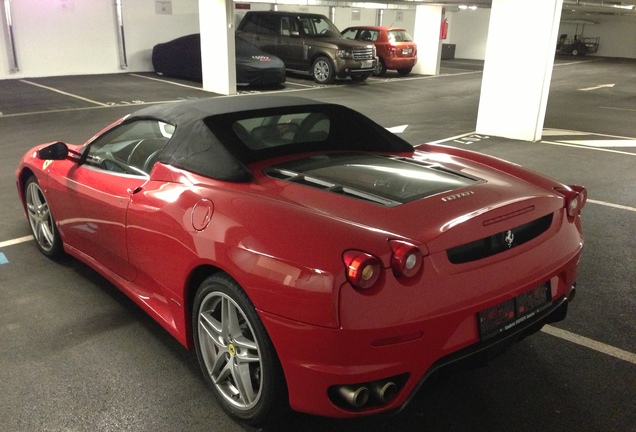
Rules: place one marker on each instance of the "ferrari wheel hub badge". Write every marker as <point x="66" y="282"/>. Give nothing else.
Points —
<point x="231" y="349"/>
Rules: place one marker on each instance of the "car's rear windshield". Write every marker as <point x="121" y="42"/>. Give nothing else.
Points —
<point x="257" y="135"/>
<point x="399" y="36"/>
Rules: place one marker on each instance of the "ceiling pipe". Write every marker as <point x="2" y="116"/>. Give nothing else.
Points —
<point x="13" y="61"/>
<point x="123" y="60"/>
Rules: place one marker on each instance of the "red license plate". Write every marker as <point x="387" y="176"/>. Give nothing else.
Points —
<point x="505" y="315"/>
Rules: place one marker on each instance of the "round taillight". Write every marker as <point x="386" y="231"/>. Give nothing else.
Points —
<point x="363" y="269"/>
<point x="575" y="197"/>
<point x="573" y="205"/>
<point x="406" y="260"/>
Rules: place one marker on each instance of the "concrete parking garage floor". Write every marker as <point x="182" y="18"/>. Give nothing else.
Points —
<point x="77" y="355"/>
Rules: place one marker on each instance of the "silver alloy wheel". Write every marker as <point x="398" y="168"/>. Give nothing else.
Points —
<point x="230" y="351"/>
<point x="321" y="70"/>
<point x="42" y="224"/>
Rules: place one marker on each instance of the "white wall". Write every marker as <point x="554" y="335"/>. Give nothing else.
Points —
<point x="468" y="30"/>
<point x="76" y="37"/>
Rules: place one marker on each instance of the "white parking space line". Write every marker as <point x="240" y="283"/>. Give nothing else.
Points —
<point x="603" y="143"/>
<point x="606" y="204"/>
<point x="166" y="81"/>
<point x="590" y="343"/>
<point x="597" y="87"/>
<point x="562" y="132"/>
<point x="606" y="150"/>
<point x="63" y="93"/>
<point x="15" y="241"/>
<point x="618" y="109"/>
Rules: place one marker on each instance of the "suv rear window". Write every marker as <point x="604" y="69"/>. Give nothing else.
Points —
<point x="262" y="23"/>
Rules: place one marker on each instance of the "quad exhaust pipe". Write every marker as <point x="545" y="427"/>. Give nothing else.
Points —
<point x="384" y="390"/>
<point x="359" y="395"/>
<point x="356" y="396"/>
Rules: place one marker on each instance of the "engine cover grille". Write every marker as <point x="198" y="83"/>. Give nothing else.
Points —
<point x="500" y="242"/>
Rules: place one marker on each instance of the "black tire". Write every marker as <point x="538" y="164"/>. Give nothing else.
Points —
<point x="360" y="78"/>
<point x="575" y="52"/>
<point x="323" y="70"/>
<point x="404" y="72"/>
<point x="42" y="223"/>
<point x="380" y="69"/>
<point x="237" y="357"/>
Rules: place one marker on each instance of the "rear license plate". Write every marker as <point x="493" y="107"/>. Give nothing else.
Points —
<point x="508" y="314"/>
<point x="407" y="51"/>
<point x="366" y="64"/>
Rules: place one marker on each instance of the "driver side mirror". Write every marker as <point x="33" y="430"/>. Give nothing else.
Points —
<point x="55" y="151"/>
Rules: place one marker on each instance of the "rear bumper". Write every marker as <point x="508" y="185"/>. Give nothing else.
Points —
<point x="400" y="63"/>
<point x="318" y="360"/>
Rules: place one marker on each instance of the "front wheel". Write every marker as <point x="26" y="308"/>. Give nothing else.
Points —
<point x="323" y="71"/>
<point x="46" y="235"/>
<point x="235" y="352"/>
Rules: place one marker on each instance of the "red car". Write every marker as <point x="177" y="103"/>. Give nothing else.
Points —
<point x="312" y="258"/>
<point x="395" y="47"/>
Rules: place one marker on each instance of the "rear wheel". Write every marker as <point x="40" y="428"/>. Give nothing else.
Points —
<point x="46" y="235"/>
<point x="323" y="71"/>
<point x="404" y="72"/>
<point x="235" y="352"/>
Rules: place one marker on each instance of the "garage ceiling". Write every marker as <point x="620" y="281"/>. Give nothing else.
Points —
<point x="588" y="7"/>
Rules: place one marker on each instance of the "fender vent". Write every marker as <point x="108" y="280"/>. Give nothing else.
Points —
<point x="500" y="242"/>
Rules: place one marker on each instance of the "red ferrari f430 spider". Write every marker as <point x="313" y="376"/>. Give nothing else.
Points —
<point x="313" y="259"/>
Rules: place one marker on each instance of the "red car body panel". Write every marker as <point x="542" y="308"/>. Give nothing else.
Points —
<point x="155" y="236"/>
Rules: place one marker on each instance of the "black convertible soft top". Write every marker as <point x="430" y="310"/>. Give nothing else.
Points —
<point x="205" y="143"/>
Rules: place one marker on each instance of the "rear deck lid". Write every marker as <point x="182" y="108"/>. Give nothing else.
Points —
<point x="386" y="180"/>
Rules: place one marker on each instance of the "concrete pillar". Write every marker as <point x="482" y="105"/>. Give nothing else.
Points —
<point x="216" y="25"/>
<point x="428" y="20"/>
<point x="379" y="17"/>
<point x="522" y="37"/>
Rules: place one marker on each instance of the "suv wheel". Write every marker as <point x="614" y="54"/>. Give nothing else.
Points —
<point x="323" y="71"/>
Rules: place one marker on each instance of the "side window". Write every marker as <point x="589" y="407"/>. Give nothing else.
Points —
<point x="269" y="24"/>
<point x="350" y="33"/>
<point x="251" y="23"/>
<point x="285" y="27"/>
<point x="130" y="148"/>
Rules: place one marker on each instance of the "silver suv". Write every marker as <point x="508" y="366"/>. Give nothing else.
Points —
<point x="309" y="43"/>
